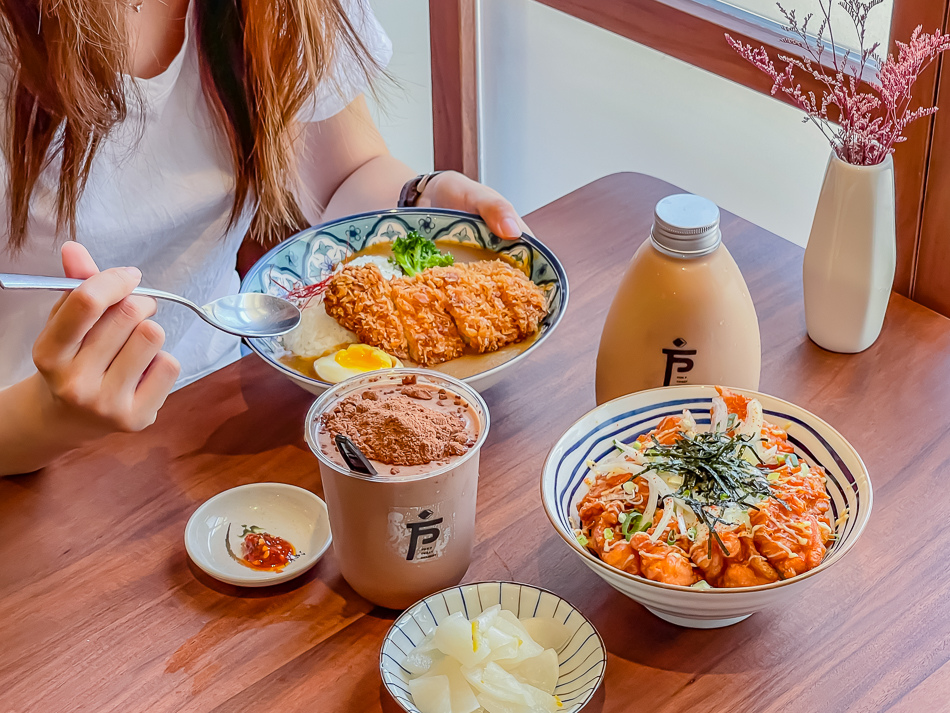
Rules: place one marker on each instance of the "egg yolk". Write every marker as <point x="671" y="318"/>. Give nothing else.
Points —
<point x="360" y="357"/>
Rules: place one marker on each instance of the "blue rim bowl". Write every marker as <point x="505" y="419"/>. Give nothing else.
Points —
<point x="311" y="254"/>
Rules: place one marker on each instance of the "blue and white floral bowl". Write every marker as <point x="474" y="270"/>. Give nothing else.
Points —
<point x="309" y="256"/>
<point x="591" y="438"/>
<point x="581" y="661"/>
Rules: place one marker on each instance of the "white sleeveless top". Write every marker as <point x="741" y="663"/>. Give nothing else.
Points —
<point x="159" y="197"/>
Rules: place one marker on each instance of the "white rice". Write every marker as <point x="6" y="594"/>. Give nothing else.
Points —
<point x="386" y="268"/>
<point x="318" y="334"/>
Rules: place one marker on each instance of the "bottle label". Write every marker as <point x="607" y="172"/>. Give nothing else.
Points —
<point x="678" y="363"/>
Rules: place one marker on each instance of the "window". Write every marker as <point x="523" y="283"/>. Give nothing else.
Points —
<point x="692" y="31"/>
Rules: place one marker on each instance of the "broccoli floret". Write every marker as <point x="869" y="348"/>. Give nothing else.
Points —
<point x="414" y="253"/>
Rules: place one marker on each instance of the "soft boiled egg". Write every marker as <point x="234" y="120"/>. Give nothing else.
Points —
<point x="354" y="360"/>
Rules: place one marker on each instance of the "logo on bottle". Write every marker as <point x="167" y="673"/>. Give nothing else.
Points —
<point x="419" y="533"/>
<point x="680" y="359"/>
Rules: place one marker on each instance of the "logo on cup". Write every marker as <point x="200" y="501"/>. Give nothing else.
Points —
<point x="419" y="533"/>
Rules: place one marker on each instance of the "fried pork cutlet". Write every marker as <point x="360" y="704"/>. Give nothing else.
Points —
<point x="475" y="303"/>
<point x="432" y="317"/>
<point x="430" y="331"/>
<point x="523" y="298"/>
<point x="361" y="300"/>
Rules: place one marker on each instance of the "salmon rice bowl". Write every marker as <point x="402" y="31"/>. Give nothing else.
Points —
<point x="723" y="507"/>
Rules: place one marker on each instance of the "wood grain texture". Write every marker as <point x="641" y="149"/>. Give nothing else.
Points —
<point x="932" y="265"/>
<point x="913" y="160"/>
<point x="453" y="40"/>
<point x="102" y="611"/>
<point x="701" y="43"/>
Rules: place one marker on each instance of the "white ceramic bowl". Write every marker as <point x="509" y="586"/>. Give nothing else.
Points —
<point x="562" y="487"/>
<point x="286" y="511"/>
<point x="581" y="660"/>
<point x="311" y="255"/>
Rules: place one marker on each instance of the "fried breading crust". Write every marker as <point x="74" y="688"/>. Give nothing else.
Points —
<point x="430" y="331"/>
<point x="361" y="300"/>
<point x="523" y="298"/>
<point x="434" y="315"/>
<point x="475" y="304"/>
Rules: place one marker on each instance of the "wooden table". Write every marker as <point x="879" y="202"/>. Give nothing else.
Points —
<point x="101" y="610"/>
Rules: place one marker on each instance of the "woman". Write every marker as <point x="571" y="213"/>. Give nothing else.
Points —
<point x="151" y="138"/>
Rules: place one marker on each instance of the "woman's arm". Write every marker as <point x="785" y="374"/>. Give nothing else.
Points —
<point x="100" y="369"/>
<point x="345" y="168"/>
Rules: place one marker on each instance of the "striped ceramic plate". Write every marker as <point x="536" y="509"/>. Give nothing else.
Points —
<point x="591" y="438"/>
<point x="581" y="660"/>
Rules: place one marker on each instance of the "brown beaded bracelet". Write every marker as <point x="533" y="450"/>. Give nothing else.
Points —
<point x="410" y="193"/>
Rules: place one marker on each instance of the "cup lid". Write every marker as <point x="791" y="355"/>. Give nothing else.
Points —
<point x="386" y="377"/>
<point x="685" y="225"/>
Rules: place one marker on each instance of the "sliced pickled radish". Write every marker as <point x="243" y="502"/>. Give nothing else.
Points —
<point x="540" y="671"/>
<point x="431" y="694"/>
<point x="549" y="633"/>
<point x="456" y="637"/>
<point x="462" y="697"/>
<point x="498" y="683"/>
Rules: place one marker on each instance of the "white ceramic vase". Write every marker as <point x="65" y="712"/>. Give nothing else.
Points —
<point x="851" y="256"/>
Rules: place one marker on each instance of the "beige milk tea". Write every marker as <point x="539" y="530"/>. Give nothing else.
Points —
<point x="408" y="530"/>
<point x="682" y="313"/>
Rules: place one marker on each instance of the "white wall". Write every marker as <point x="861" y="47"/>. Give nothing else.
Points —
<point x="564" y="103"/>
<point x="404" y="110"/>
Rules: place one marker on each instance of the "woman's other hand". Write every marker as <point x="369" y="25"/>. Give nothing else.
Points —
<point x="100" y="355"/>
<point x="459" y="192"/>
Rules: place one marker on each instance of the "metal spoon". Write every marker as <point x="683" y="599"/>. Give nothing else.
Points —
<point x="249" y="314"/>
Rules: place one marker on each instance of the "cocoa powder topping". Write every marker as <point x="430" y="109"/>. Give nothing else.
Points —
<point x="398" y="430"/>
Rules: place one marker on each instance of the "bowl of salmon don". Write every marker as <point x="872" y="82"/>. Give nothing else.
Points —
<point x="409" y="287"/>
<point x="706" y="504"/>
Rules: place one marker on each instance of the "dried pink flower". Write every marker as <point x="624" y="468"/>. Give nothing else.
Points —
<point x="866" y="124"/>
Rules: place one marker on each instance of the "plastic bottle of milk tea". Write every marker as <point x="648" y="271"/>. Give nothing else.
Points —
<point x="682" y="313"/>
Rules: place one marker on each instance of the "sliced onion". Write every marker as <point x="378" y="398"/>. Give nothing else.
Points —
<point x="719" y="415"/>
<point x="754" y="420"/>
<point x="633" y="453"/>
<point x="669" y="510"/>
<point x="688" y="423"/>
<point x="658" y="488"/>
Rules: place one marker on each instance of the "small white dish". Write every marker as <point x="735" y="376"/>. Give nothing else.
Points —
<point x="286" y="511"/>
<point x="581" y="661"/>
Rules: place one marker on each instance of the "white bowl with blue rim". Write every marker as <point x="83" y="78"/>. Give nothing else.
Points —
<point x="625" y="418"/>
<point x="581" y="661"/>
<point x="311" y="255"/>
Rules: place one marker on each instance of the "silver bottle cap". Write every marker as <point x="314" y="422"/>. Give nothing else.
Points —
<point x="686" y="226"/>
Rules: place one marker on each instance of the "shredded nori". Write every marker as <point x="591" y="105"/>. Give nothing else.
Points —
<point x="715" y="475"/>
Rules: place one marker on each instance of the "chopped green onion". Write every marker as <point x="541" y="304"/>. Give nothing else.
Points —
<point x="629" y="487"/>
<point x="691" y="534"/>
<point x="636" y="445"/>
<point x="772" y="477"/>
<point x="701" y="584"/>
<point x="793" y="460"/>
<point x="780" y="458"/>
<point x="582" y="541"/>
<point x="621" y="518"/>
<point x="634" y="524"/>
<point x="671" y="540"/>
<point x="608" y="534"/>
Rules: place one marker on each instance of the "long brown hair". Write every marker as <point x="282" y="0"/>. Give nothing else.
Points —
<point x="260" y="61"/>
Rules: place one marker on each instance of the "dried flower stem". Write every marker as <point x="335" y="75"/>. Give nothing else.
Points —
<point x="862" y="126"/>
